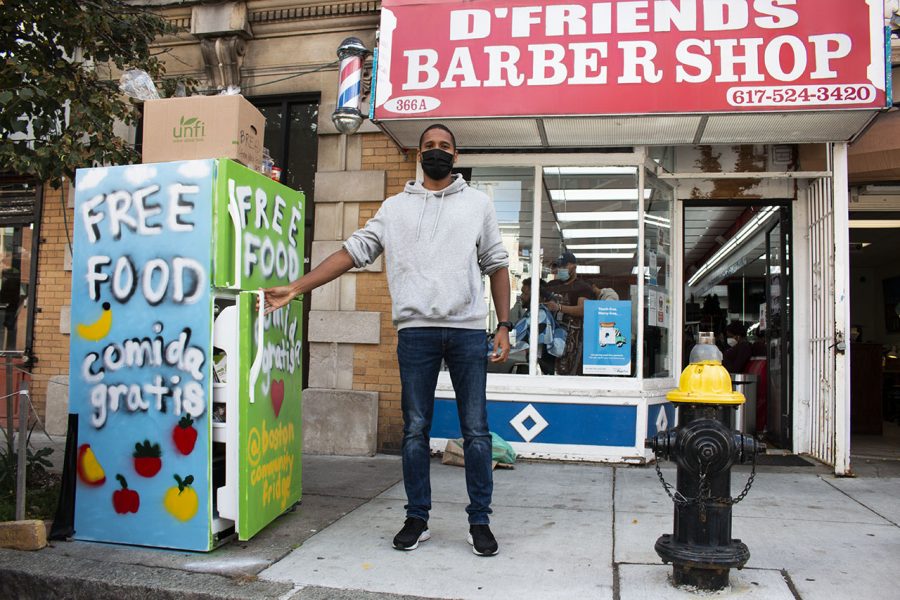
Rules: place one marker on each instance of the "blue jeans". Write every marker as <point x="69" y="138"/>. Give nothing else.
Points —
<point x="420" y="351"/>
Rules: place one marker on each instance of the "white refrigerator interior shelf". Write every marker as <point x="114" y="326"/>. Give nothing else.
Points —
<point x="225" y="337"/>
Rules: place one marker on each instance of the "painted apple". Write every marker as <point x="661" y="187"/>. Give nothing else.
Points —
<point x="181" y="501"/>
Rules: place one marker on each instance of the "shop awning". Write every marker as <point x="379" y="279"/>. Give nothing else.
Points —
<point x="512" y="74"/>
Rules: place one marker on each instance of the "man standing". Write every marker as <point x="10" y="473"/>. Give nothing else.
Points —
<point x="439" y="237"/>
<point x="570" y="312"/>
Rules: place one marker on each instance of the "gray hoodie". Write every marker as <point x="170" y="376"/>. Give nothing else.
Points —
<point x="437" y="247"/>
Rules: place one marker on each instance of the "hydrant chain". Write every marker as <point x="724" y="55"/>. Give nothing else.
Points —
<point x="679" y="498"/>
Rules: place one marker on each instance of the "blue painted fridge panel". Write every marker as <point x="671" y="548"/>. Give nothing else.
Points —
<point x="139" y="356"/>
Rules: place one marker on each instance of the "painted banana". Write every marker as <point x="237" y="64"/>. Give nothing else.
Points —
<point x="99" y="328"/>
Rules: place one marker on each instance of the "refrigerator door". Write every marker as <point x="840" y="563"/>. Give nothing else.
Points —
<point x="140" y="353"/>
<point x="269" y="413"/>
<point x="258" y="237"/>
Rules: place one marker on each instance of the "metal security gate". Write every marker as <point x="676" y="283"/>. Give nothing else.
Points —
<point x="829" y="314"/>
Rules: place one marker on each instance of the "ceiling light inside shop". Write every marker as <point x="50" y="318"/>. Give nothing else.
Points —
<point x="874" y="224"/>
<point x="625" y="215"/>
<point x="743" y="233"/>
<point x="587" y="195"/>
<point x="599" y="233"/>
<point x="588" y="269"/>
<point x="590" y="170"/>
<point x="590" y="255"/>
<point x="572" y="247"/>
<point x="658" y="221"/>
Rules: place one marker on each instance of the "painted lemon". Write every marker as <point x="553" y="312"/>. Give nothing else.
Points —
<point x="89" y="469"/>
<point x="181" y="500"/>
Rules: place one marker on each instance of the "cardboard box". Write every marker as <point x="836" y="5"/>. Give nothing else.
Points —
<point x="203" y="127"/>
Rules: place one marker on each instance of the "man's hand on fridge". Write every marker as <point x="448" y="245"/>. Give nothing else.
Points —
<point x="278" y="296"/>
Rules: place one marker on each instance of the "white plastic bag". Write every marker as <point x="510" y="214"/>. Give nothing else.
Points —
<point x="137" y="84"/>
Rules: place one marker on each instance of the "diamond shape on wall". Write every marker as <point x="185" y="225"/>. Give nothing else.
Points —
<point x="662" y="420"/>
<point x="538" y="423"/>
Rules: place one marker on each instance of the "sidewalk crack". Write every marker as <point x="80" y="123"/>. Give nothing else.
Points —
<point x="869" y="508"/>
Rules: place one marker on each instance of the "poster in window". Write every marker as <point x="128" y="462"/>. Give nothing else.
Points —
<point x="607" y="337"/>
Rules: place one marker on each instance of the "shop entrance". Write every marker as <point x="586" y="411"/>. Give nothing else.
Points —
<point x="874" y="322"/>
<point x="737" y="273"/>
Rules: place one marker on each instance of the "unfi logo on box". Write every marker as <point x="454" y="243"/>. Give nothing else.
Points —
<point x="189" y="130"/>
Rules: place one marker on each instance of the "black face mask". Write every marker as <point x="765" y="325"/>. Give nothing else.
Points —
<point x="436" y="163"/>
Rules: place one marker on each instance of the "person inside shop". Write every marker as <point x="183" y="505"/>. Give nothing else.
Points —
<point x="739" y="350"/>
<point x="570" y="295"/>
<point x="520" y="308"/>
<point x="604" y="293"/>
<point x="520" y="316"/>
<point x="435" y="227"/>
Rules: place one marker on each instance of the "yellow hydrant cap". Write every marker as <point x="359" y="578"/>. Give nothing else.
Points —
<point x="705" y="382"/>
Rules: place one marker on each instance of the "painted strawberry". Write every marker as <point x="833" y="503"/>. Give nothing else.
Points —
<point x="125" y="500"/>
<point x="184" y="435"/>
<point x="147" y="460"/>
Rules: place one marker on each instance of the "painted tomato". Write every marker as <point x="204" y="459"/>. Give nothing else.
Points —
<point x="147" y="461"/>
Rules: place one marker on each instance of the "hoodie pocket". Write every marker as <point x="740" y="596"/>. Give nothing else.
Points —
<point x="432" y="294"/>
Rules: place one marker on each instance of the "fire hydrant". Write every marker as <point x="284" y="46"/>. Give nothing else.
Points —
<point x="704" y="447"/>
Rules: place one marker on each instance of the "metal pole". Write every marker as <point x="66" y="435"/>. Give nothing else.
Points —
<point x="10" y="405"/>
<point x="20" y="455"/>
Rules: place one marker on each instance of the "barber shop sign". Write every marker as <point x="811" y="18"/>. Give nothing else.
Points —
<point x="441" y="59"/>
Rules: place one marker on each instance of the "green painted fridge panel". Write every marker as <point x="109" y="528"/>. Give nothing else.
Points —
<point x="270" y="414"/>
<point x="258" y="229"/>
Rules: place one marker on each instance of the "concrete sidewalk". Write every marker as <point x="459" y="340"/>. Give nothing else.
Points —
<point x="565" y="530"/>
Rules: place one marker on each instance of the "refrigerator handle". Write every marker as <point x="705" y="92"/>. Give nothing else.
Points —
<point x="256" y="367"/>
<point x="236" y="221"/>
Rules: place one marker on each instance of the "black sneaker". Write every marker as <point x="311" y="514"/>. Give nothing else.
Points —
<point x="482" y="540"/>
<point x="414" y="531"/>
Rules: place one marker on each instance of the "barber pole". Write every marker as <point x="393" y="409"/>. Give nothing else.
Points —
<point x="347" y="116"/>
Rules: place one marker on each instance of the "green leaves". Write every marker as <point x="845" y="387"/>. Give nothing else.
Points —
<point x="59" y="96"/>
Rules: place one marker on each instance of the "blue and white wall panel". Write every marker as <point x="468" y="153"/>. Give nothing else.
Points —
<point x="555" y="419"/>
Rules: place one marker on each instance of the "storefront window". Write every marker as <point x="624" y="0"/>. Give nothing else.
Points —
<point x="658" y="200"/>
<point x="512" y="192"/>
<point x="586" y="268"/>
<point x="19" y="205"/>
<point x="590" y="241"/>
<point x="15" y="246"/>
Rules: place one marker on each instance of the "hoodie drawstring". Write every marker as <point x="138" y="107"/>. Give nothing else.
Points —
<point x="422" y="215"/>
<point x="438" y="218"/>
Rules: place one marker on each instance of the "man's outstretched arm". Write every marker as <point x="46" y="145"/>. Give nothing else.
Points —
<point x="330" y="269"/>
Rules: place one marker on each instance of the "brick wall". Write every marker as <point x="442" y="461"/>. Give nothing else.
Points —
<point x="54" y="284"/>
<point x="375" y="367"/>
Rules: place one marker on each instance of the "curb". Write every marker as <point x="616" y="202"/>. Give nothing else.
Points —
<point x="24" y="578"/>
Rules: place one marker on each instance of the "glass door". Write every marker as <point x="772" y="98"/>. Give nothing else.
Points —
<point x="778" y="330"/>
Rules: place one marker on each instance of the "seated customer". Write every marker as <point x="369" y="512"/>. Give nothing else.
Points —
<point x="739" y="351"/>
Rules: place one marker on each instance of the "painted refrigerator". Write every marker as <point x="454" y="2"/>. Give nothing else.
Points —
<point x="188" y="397"/>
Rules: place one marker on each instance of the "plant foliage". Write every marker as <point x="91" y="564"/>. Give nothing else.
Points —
<point x="59" y="98"/>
